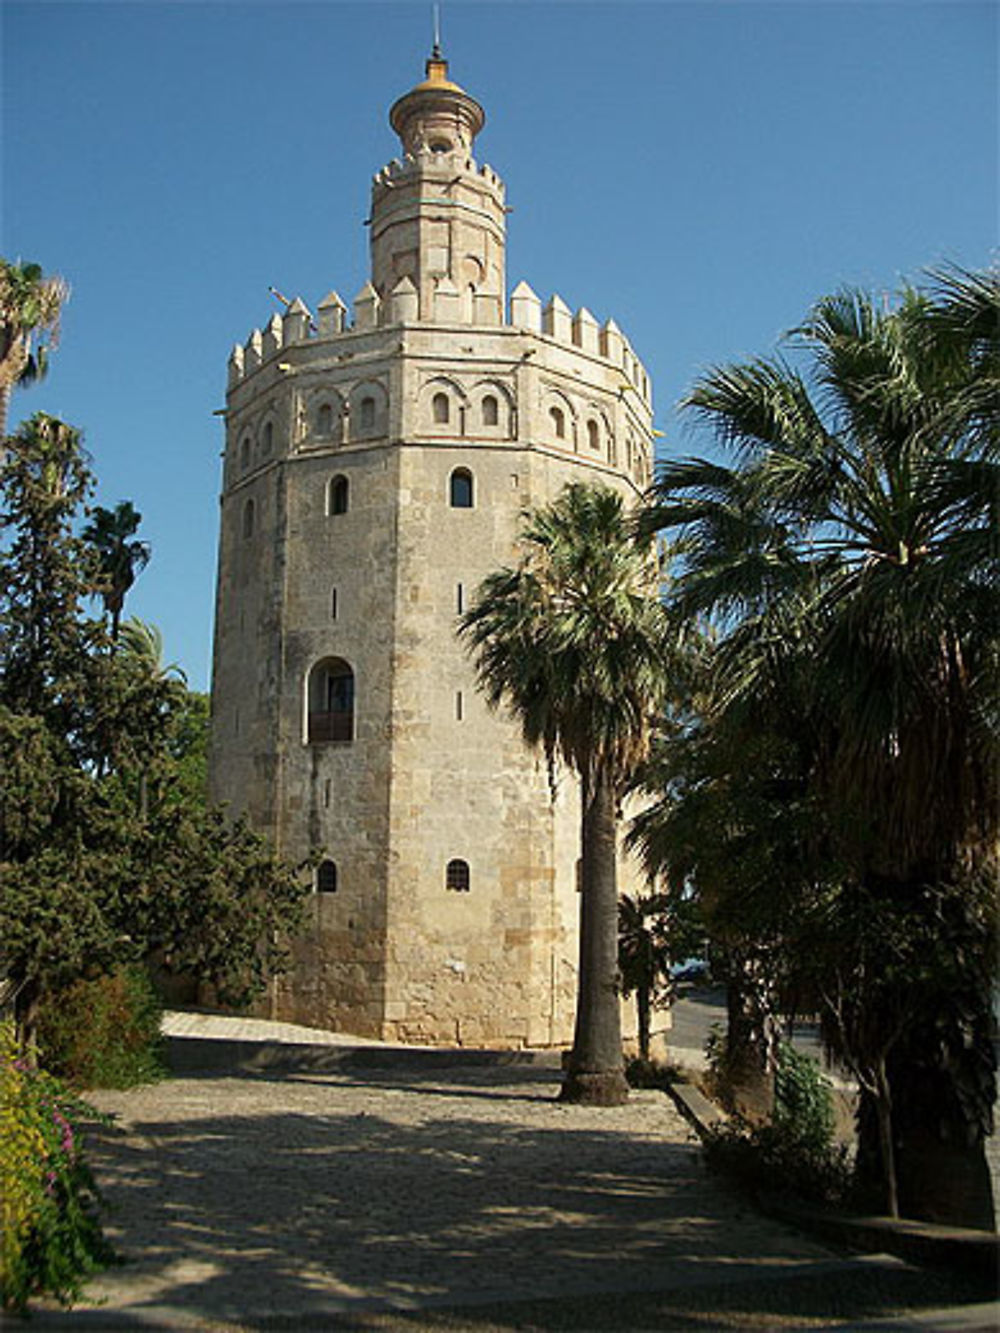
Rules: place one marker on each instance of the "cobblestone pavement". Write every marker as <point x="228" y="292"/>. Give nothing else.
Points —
<point x="395" y="1188"/>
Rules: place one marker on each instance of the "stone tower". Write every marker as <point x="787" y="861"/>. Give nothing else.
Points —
<point x="376" y="466"/>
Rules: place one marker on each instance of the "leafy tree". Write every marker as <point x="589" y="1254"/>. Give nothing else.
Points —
<point x="104" y="860"/>
<point x="572" y="642"/>
<point x="30" y="306"/>
<point x="849" y="563"/>
<point x="118" y="555"/>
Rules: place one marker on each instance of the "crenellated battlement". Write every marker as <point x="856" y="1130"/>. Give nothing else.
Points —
<point x="554" y="322"/>
<point x="413" y="165"/>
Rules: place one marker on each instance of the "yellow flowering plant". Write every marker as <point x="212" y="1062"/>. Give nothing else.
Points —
<point x="50" y="1231"/>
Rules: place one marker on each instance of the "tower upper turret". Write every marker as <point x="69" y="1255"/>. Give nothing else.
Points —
<point x="437" y="114"/>
<point x="437" y="218"/>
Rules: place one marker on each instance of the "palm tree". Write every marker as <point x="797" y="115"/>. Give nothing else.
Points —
<point x="142" y="643"/>
<point x="849" y="559"/>
<point x="30" y="305"/>
<point x="644" y="953"/>
<point x="117" y="557"/>
<point x="573" y="643"/>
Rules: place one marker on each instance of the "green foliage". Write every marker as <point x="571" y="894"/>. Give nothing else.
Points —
<point x="768" y="1159"/>
<point x="30" y="305"/>
<point x="108" y="854"/>
<point x="188" y="744"/>
<point x="803" y="1101"/>
<point x="644" y="953"/>
<point x="833" y="795"/>
<point x="114" y="555"/>
<point x="572" y="639"/>
<point x="794" y="1150"/>
<point x="103" y="1033"/>
<point x="49" y="1206"/>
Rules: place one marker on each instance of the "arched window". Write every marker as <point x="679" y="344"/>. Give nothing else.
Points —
<point x="461" y="488"/>
<point x="338" y="495"/>
<point x="558" y="418"/>
<point x="245" y="452"/>
<point x="248" y="518"/>
<point x="456" y="876"/>
<point x="268" y="440"/>
<point x="331" y="701"/>
<point x="440" y="408"/>
<point x="367" y="415"/>
<point x="491" y="410"/>
<point x="326" y="877"/>
<point x="324" y="420"/>
<point x="593" y="434"/>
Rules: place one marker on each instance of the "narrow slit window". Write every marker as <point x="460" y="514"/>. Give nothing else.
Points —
<point x="333" y="604"/>
<point x="248" y="518"/>
<point x="338" y="496"/>
<point x="459" y="706"/>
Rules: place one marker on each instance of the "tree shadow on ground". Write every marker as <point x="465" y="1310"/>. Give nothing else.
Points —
<point x="307" y="1202"/>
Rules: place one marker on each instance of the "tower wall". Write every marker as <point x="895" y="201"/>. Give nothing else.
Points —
<point x="343" y="443"/>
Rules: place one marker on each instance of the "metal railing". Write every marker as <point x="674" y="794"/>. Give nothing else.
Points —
<point x="331" y="726"/>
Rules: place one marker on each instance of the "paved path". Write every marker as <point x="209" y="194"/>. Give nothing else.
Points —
<point x="306" y="1197"/>
<point x="308" y="1194"/>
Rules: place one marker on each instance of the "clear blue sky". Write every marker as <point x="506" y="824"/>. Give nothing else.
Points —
<point x="698" y="172"/>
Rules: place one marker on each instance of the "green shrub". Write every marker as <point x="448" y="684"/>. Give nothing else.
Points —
<point x="794" y="1153"/>
<point x="803" y="1100"/>
<point x="648" y="1074"/>
<point x="104" y="1033"/>
<point x="49" y="1205"/>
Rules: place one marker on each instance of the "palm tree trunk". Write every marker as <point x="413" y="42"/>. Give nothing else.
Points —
<point x="642" y="1010"/>
<point x="596" y="1071"/>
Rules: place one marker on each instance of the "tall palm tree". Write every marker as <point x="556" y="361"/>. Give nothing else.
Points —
<point x="572" y="642"/>
<point x="30" y="306"/>
<point x="850" y="561"/>
<point x="118" y="555"/>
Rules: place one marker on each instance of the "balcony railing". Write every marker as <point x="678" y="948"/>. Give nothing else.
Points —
<point x="331" y="726"/>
